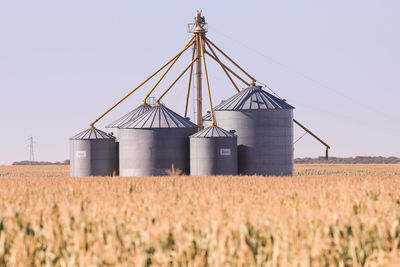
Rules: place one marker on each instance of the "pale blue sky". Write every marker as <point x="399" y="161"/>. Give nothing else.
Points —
<point x="62" y="63"/>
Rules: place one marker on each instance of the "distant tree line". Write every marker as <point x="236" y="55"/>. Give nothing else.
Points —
<point x="27" y="162"/>
<point x="355" y="160"/>
<point x="333" y="160"/>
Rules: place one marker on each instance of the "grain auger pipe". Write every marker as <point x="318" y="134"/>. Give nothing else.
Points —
<point x="165" y="73"/>
<point x="213" y="124"/>
<point x="222" y="66"/>
<point x="227" y="68"/>
<point x="167" y="90"/>
<point x="189" y="44"/>
<point x="253" y="80"/>
<point x="327" y="147"/>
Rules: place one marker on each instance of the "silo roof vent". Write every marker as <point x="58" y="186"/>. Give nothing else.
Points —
<point x="129" y="116"/>
<point x="253" y="97"/>
<point x="159" y="117"/>
<point x="90" y="134"/>
<point x="212" y="132"/>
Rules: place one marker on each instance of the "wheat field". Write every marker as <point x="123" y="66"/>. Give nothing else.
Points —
<point x="326" y="215"/>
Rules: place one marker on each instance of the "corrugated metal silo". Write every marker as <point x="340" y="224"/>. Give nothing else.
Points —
<point x="207" y="120"/>
<point x="213" y="151"/>
<point x="92" y="153"/>
<point x="113" y="127"/>
<point x="264" y="126"/>
<point x="155" y="140"/>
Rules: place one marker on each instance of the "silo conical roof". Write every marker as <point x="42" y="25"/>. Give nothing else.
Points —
<point x="159" y="117"/>
<point x="207" y="117"/>
<point x="253" y="97"/>
<point x="212" y="132"/>
<point x="129" y="116"/>
<point x="90" y="134"/>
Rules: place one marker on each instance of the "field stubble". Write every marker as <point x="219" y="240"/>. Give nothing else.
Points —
<point x="340" y="215"/>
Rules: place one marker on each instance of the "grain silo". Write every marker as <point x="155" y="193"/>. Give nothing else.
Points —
<point x="155" y="140"/>
<point x="213" y="151"/>
<point x="92" y="153"/>
<point x="113" y="127"/>
<point x="264" y="126"/>
<point x="158" y="138"/>
<point x="207" y="119"/>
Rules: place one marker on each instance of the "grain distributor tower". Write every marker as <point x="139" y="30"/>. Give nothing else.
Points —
<point x="255" y="126"/>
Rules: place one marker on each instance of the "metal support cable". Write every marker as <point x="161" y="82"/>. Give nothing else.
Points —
<point x="309" y="78"/>
<point x="269" y="88"/>
<point x="295" y="121"/>
<point x="300" y="137"/>
<point x="148" y="78"/>
<point x="302" y="126"/>
<point x="307" y="130"/>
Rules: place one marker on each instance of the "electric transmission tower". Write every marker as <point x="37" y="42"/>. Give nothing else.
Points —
<point x="30" y="146"/>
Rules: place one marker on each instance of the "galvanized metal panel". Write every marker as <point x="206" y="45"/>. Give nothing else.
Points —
<point x="151" y="152"/>
<point x="213" y="151"/>
<point x="265" y="139"/>
<point x="159" y="117"/>
<point x="113" y="127"/>
<point x="151" y="143"/>
<point x="91" y="134"/>
<point x="92" y="153"/>
<point x="253" y="98"/>
<point x="212" y="132"/>
<point x="129" y="116"/>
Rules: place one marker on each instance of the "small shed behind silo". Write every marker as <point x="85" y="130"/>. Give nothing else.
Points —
<point x="93" y="153"/>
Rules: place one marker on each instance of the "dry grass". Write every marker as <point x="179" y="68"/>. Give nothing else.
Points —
<point x="327" y="215"/>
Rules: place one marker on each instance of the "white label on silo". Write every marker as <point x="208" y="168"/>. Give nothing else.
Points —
<point x="225" y="151"/>
<point x="81" y="154"/>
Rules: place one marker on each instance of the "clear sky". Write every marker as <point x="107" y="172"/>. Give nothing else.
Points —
<point x="62" y="63"/>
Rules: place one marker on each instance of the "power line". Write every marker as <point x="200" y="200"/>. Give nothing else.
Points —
<point x="307" y="77"/>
